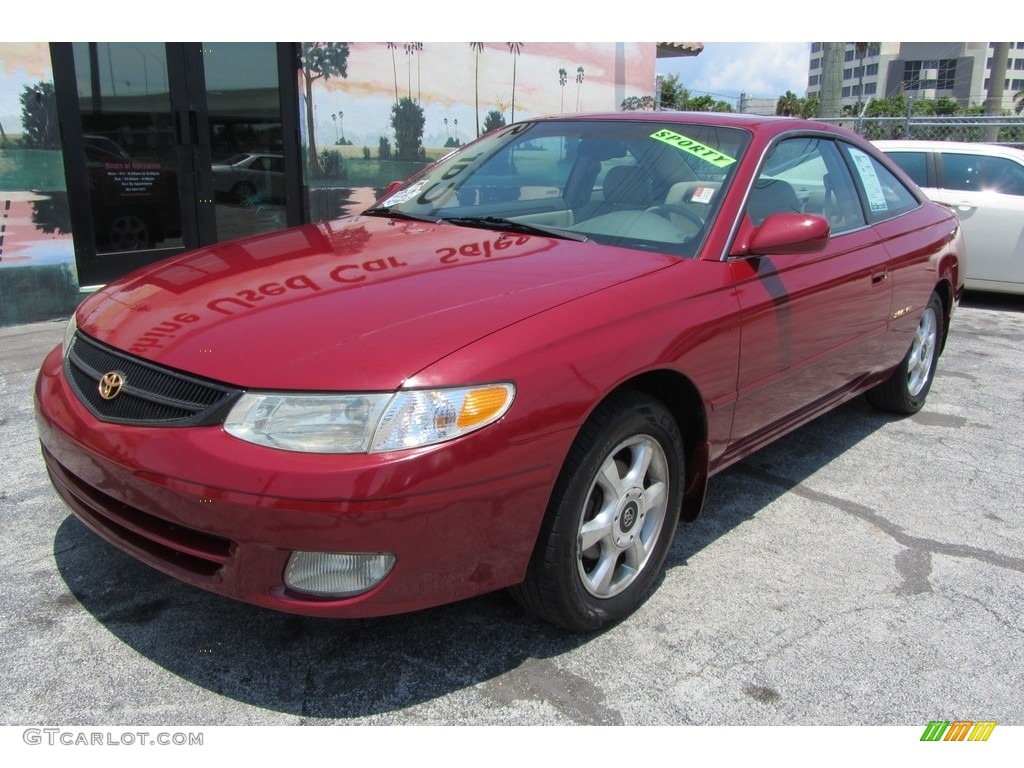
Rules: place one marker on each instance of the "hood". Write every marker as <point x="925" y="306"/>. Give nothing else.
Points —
<point x="361" y="303"/>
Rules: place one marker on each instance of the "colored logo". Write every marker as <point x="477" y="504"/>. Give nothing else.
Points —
<point x="958" y="730"/>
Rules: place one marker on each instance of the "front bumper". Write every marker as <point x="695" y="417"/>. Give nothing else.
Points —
<point x="461" y="518"/>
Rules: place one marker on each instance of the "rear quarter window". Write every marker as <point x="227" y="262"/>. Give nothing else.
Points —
<point x="883" y="194"/>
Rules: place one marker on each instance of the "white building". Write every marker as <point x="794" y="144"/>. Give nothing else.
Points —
<point x="919" y="70"/>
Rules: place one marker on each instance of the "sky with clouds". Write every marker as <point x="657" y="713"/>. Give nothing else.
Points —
<point x="723" y="70"/>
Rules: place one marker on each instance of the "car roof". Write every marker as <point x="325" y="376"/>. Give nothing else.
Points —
<point x="772" y="124"/>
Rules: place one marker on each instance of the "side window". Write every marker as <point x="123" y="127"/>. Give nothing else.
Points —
<point x="914" y="164"/>
<point x="960" y="171"/>
<point x="885" y="195"/>
<point x="997" y="174"/>
<point x="806" y="175"/>
<point x="981" y="173"/>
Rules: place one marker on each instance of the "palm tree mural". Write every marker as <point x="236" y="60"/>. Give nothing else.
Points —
<point x="320" y="60"/>
<point x="394" y="67"/>
<point x="563" y="78"/>
<point x="409" y="50"/>
<point x="477" y="49"/>
<point x="579" y="84"/>
<point x="418" y="48"/>
<point x="514" y="49"/>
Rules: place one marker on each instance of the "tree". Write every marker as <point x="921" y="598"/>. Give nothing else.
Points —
<point x="788" y="104"/>
<point x="1019" y="98"/>
<point x="39" y="116"/>
<point x="673" y="94"/>
<point x="493" y="120"/>
<point x="411" y="49"/>
<point x="408" y="121"/>
<point x="514" y="49"/>
<point x="706" y="103"/>
<point x="320" y="60"/>
<point x="809" y="107"/>
<point x="579" y="84"/>
<point x="394" y="67"/>
<point x="563" y="78"/>
<point x="477" y="49"/>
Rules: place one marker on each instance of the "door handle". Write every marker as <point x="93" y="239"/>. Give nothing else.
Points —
<point x="879" y="277"/>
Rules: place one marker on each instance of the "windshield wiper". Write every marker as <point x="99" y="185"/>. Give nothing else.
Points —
<point x="392" y="214"/>
<point x="509" y="225"/>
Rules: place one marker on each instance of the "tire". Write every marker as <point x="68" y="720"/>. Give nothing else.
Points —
<point x="611" y="517"/>
<point x="906" y="390"/>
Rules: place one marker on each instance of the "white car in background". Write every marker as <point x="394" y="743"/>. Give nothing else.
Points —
<point x="244" y="176"/>
<point x="984" y="185"/>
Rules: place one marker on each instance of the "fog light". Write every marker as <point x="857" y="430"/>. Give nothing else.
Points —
<point x="328" y="574"/>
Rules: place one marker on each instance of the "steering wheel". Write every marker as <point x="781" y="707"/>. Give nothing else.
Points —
<point x="665" y="209"/>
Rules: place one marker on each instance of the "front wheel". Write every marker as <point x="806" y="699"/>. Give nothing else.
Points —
<point x="905" y="391"/>
<point x="611" y="518"/>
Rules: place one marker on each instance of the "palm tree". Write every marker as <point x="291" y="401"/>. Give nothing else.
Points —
<point x="418" y="48"/>
<point x="394" y="67"/>
<point x="410" y="48"/>
<point x="477" y="48"/>
<point x="514" y="49"/>
<point x="563" y="78"/>
<point x="788" y="104"/>
<point x="579" y="82"/>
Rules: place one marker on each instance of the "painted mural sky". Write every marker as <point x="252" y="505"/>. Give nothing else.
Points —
<point x="446" y="78"/>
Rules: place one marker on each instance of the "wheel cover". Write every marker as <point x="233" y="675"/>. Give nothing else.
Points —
<point x="128" y="233"/>
<point x="622" y="516"/>
<point x="922" y="353"/>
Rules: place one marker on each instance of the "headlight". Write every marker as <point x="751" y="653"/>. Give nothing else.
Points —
<point x="360" y="423"/>
<point x="309" y="423"/>
<point x="69" y="334"/>
<point x="422" y="417"/>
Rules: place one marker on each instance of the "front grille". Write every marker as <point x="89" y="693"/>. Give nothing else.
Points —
<point x="151" y="395"/>
<point x="184" y="549"/>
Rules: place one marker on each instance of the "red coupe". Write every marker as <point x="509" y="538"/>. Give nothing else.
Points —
<point x="517" y="369"/>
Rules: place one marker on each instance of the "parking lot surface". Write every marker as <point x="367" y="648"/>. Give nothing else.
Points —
<point x="864" y="570"/>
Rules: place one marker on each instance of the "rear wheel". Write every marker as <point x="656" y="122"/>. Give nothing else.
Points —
<point x="611" y="518"/>
<point x="906" y="390"/>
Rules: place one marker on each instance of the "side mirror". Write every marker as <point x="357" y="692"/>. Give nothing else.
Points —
<point x="788" y="233"/>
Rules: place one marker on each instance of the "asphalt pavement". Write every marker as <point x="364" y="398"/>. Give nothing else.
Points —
<point x="864" y="570"/>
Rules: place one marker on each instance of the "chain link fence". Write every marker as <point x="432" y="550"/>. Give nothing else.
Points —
<point x="994" y="130"/>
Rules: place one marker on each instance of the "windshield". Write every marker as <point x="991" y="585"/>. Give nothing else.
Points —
<point x="651" y="185"/>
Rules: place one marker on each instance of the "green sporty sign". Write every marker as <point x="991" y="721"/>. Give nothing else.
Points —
<point x="695" y="148"/>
